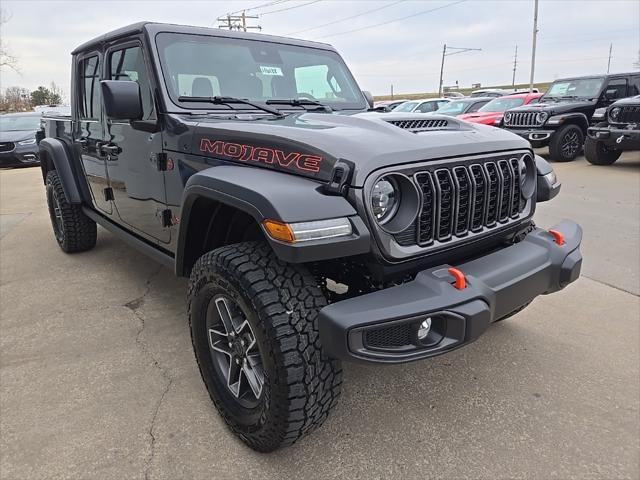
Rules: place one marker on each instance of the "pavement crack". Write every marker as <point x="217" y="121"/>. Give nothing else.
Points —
<point x="607" y="284"/>
<point x="136" y="306"/>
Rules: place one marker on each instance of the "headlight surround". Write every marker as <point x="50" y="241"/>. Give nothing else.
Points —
<point x="614" y="113"/>
<point x="528" y="174"/>
<point x="31" y="141"/>
<point x="394" y="202"/>
<point x="507" y="117"/>
<point x="385" y="199"/>
<point x="541" y="117"/>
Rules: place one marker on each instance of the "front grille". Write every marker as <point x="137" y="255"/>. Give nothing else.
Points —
<point x="420" y="125"/>
<point x="521" y="119"/>
<point x="389" y="337"/>
<point x="629" y="114"/>
<point x="7" y="147"/>
<point x="462" y="199"/>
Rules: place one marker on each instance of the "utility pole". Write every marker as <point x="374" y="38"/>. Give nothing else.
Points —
<point x="533" y="49"/>
<point x="238" y="22"/>
<point x="515" y="65"/>
<point x="609" y="62"/>
<point x="445" y="54"/>
<point x="392" y="91"/>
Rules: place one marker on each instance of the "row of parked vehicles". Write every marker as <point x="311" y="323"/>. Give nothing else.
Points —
<point x="597" y="114"/>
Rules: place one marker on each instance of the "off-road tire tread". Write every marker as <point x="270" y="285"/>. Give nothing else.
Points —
<point x="80" y="232"/>
<point x="595" y="156"/>
<point x="287" y="299"/>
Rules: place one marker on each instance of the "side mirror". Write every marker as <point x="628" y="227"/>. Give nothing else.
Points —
<point x="611" y="94"/>
<point x="368" y="97"/>
<point x="122" y="99"/>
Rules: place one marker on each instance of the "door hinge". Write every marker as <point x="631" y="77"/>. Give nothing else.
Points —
<point x="108" y="194"/>
<point x="160" y="159"/>
<point x="167" y="218"/>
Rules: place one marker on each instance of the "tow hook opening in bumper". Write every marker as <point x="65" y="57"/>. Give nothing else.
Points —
<point x="384" y="326"/>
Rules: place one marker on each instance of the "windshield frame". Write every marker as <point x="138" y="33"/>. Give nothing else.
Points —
<point x="37" y="119"/>
<point x="172" y="97"/>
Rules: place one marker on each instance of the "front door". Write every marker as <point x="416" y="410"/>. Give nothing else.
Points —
<point x="88" y="131"/>
<point x="138" y="186"/>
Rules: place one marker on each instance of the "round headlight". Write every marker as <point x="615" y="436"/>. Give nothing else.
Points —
<point x="385" y="198"/>
<point x="541" y="117"/>
<point x="528" y="173"/>
<point x="507" y="117"/>
<point x="614" y="113"/>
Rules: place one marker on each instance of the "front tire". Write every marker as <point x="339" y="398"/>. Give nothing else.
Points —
<point x="294" y="384"/>
<point x="597" y="153"/>
<point x="566" y="143"/>
<point x="73" y="230"/>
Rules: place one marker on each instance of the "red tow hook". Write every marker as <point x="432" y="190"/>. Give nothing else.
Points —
<point x="461" y="282"/>
<point x="557" y="237"/>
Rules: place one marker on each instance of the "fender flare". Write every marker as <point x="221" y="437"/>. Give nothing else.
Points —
<point x="581" y="118"/>
<point x="266" y="194"/>
<point x="56" y="151"/>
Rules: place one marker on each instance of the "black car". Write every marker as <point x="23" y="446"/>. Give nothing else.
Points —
<point x="253" y="166"/>
<point x="18" y="145"/>
<point x="620" y="132"/>
<point x="561" y="118"/>
<point x="462" y="105"/>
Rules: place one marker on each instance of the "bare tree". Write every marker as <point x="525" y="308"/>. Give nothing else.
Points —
<point x="7" y="60"/>
<point x="57" y="95"/>
<point x="15" y="99"/>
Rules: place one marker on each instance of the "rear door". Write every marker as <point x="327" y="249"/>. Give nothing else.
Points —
<point x="88" y="131"/>
<point x="138" y="185"/>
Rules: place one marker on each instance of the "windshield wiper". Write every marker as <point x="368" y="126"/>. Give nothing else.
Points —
<point x="299" y="102"/>
<point x="228" y="100"/>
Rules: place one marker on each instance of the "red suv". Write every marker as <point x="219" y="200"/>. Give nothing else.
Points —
<point x="491" y="113"/>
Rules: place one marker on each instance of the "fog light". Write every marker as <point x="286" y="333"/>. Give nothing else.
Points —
<point x="424" y="329"/>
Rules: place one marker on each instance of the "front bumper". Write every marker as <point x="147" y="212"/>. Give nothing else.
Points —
<point x="619" y="138"/>
<point x="498" y="284"/>
<point x="21" y="155"/>
<point x="536" y="136"/>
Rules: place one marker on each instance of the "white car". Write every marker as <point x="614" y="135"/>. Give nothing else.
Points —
<point x="423" y="105"/>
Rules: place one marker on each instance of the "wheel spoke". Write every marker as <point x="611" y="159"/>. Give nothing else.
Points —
<point x="254" y="379"/>
<point x="219" y="344"/>
<point x="233" y="380"/>
<point x="225" y="314"/>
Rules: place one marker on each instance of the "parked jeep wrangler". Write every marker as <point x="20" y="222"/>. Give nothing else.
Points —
<point x="621" y="132"/>
<point x="561" y="117"/>
<point x="312" y="231"/>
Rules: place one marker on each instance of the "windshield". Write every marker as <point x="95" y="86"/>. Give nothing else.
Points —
<point x="580" y="88"/>
<point x="207" y="66"/>
<point x="406" y="107"/>
<point x="453" y="108"/>
<point x="502" y="104"/>
<point x="14" y="123"/>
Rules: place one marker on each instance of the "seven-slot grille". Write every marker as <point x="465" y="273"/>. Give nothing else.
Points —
<point x="629" y="114"/>
<point x="420" y="125"/>
<point x="521" y="119"/>
<point x="465" y="198"/>
<point x="7" y="147"/>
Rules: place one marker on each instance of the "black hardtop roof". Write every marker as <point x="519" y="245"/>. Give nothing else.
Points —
<point x="152" y="28"/>
<point x="602" y="75"/>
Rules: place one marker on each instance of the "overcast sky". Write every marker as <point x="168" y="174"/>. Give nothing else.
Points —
<point x="574" y="35"/>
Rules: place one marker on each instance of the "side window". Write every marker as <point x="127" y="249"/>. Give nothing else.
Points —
<point x="89" y="88"/>
<point x="476" y="106"/>
<point x="426" y="107"/>
<point x="616" y="88"/>
<point x="128" y="64"/>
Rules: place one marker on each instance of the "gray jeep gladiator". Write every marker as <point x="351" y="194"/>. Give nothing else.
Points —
<point x="311" y="229"/>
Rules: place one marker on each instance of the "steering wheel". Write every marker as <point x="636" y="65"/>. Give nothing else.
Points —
<point x="308" y="96"/>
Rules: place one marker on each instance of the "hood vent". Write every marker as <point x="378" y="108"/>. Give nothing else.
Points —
<point x="423" y="125"/>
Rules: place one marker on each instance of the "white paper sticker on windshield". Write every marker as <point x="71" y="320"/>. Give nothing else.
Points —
<point x="277" y="71"/>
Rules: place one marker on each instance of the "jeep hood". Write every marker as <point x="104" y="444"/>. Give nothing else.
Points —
<point x="310" y="144"/>
<point x="553" y="108"/>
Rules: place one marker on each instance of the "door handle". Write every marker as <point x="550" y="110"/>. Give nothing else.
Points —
<point x="110" y="149"/>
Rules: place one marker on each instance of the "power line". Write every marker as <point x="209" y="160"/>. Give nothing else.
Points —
<point x="290" y="8"/>
<point x="394" y="20"/>
<point x="264" y="5"/>
<point x="347" y="18"/>
<point x="238" y="22"/>
<point x="455" y="52"/>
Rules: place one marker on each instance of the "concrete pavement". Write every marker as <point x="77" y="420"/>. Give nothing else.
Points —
<point x="98" y="379"/>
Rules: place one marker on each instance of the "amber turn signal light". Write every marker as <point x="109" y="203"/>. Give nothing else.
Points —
<point x="279" y="231"/>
